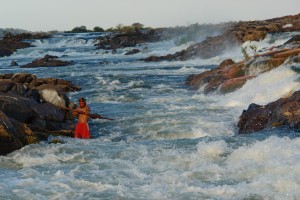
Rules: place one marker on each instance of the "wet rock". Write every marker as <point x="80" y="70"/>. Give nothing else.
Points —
<point x="47" y="61"/>
<point x="10" y="139"/>
<point x="133" y="51"/>
<point x="294" y="39"/>
<point x="122" y="40"/>
<point x="11" y="43"/>
<point x="6" y="85"/>
<point x="232" y="37"/>
<point x="284" y="111"/>
<point x="229" y="76"/>
<point x="30" y="110"/>
<point x="13" y="63"/>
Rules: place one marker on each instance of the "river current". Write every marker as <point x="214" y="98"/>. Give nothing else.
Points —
<point x="168" y="141"/>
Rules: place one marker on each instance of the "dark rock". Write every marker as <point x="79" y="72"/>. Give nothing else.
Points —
<point x="5" y="85"/>
<point x="11" y="43"/>
<point x="47" y="61"/>
<point x="17" y="107"/>
<point x="10" y="139"/>
<point x="31" y="113"/>
<point x="13" y="63"/>
<point x="229" y="76"/>
<point x="294" y="39"/>
<point x="284" y="111"/>
<point x="123" y="40"/>
<point x="133" y="51"/>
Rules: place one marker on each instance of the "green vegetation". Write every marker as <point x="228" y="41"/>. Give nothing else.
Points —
<point x="246" y="54"/>
<point x="98" y="29"/>
<point x="80" y="29"/>
<point x="83" y="29"/>
<point x="135" y="27"/>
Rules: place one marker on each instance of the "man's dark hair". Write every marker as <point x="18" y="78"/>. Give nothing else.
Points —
<point x="81" y="99"/>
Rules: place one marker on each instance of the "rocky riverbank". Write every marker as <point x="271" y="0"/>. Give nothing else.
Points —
<point x="230" y="76"/>
<point x="10" y="43"/>
<point x="30" y="110"/>
<point x="234" y="36"/>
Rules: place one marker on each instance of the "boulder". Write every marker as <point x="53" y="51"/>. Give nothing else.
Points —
<point x="284" y="111"/>
<point x="10" y="139"/>
<point x="47" y="61"/>
<point x="31" y="110"/>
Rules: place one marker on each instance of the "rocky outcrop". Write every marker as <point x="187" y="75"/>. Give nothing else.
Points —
<point x="131" y="52"/>
<point x="284" y="111"/>
<point x="10" y="43"/>
<point x="47" y="61"/>
<point x="122" y="40"/>
<point x="30" y="110"/>
<point x="229" y="76"/>
<point x="234" y="36"/>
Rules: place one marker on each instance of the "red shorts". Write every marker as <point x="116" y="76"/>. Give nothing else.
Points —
<point x="82" y="131"/>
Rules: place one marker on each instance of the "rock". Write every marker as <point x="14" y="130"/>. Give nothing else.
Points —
<point x="11" y="43"/>
<point x="284" y="111"/>
<point x="10" y="139"/>
<point x="30" y="113"/>
<point x="122" y="40"/>
<point x="54" y="96"/>
<point x="6" y="85"/>
<point x="294" y="39"/>
<point x="47" y="61"/>
<point x="13" y="63"/>
<point x="23" y="78"/>
<point x="233" y="37"/>
<point x="229" y="76"/>
<point x="133" y="51"/>
<point x="17" y="107"/>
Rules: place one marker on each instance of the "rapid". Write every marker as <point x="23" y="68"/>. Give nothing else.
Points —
<point x="168" y="141"/>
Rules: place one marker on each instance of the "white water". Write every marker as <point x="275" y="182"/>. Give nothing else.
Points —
<point x="167" y="142"/>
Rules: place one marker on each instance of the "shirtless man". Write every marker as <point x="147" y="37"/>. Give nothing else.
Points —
<point x="82" y="128"/>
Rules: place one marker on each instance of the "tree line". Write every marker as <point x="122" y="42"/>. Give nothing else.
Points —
<point x="135" y="27"/>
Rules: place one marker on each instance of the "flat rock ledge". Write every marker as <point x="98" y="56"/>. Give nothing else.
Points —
<point x="30" y="110"/>
<point x="47" y="61"/>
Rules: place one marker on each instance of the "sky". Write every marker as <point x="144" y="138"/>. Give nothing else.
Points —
<point x="63" y="15"/>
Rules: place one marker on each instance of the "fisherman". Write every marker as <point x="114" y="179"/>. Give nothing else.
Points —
<point x="83" y="111"/>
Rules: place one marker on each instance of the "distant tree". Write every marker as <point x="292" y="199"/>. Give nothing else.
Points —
<point x="119" y="27"/>
<point x="98" y="29"/>
<point x="8" y="35"/>
<point x="137" y="26"/>
<point x="80" y="29"/>
<point x="111" y="29"/>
